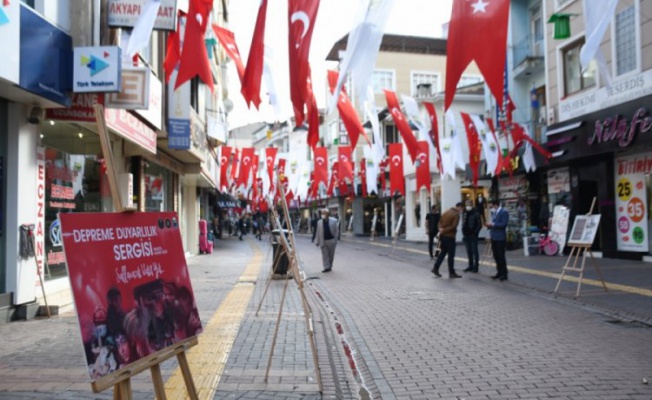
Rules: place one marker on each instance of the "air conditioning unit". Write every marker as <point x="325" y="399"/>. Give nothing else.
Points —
<point x="552" y="118"/>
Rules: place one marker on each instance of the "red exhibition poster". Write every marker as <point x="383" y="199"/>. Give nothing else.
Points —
<point x="130" y="283"/>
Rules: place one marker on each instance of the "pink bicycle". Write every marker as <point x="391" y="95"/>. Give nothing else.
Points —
<point x="548" y="246"/>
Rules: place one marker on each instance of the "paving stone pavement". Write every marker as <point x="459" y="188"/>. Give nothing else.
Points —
<point x="385" y="328"/>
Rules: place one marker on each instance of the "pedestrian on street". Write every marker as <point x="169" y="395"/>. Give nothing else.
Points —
<point x="498" y="235"/>
<point x="471" y="225"/>
<point x="241" y="227"/>
<point x="447" y="231"/>
<point x="432" y="228"/>
<point x="327" y="233"/>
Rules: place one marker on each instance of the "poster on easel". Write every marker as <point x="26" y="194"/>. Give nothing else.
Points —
<point x="130" y="284"/>
<point x="631" y="202"/>
<point x="559" y="226"/>
<point x="584" y="230"/>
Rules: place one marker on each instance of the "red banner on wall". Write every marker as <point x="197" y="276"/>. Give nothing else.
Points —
<point x="131" y="286"/>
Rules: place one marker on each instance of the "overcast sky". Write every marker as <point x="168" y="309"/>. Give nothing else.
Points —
<point x="334" y="20"/>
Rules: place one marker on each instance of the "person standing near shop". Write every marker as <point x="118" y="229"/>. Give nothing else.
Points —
<point x="471" y="225"/>
<point x="432" y="228"/>
<point x="498" y="235"/>
<point x="447" y="232"/>
<point x="326" y="237"/>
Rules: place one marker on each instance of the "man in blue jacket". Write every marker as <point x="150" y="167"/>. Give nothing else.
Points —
<point x="498" y="235"/>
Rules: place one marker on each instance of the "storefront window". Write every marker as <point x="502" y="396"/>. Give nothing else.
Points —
<point x="73" y="184"/>
<point x="158" y="188"/>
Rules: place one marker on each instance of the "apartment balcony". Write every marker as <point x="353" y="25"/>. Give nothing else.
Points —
<point x="528" y="56"/>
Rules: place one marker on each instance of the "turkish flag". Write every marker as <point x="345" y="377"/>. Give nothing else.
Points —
<point x="345" y="163"/>
<point x="402" y="124"/>
<point x="474" y="146"/>
<point x="234" y="164"/>
<point x="334" y="181"/>
<point x="347" y="112"/>
<point x="383" y="179"/>
<point x="194" y="57"/>
<point x="224" y="164"/>
<point x="301" y="22"/>
<point x="434" y="132"/>
<point x="477" y="31"/>
<point x="321" y="166"/>
<point x="313" y="117"/>
<point x="246" y="163"/>
<point x="227" y="39"/>
<point x="363" y="176"/>
<point x="423" y="169"/>
<point x="270" y="158"/>
<point x="173" y="51"/>
<point x="254" y="70"/>
<point x="396" y="174"/>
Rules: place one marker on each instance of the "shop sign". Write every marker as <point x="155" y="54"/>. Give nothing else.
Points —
<point x="131" y="128"/>
<point x="125" y="14"/>
<point x="620" y="92"/>
<point x="45" y="57"/>
<point x="631" y="202"/>
<point x="97" y="69"/>
<point x="138" y="283"/>
<point x="558" y="181"/>
<point x="10" y="34"/>
<point x="178" y="115"/>
<point x="513" y="187"/>
<point x="134" y="90"/>
<point x="621" y="130"/>
<point x="81" y="110"/>
<point x="154" y="111"/>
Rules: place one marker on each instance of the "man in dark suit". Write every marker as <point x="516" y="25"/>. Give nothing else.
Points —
<point x="498" y="235"/>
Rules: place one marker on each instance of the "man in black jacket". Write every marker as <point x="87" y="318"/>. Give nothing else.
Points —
<point x="432" y="227"/>
<point x="471" y="225"/>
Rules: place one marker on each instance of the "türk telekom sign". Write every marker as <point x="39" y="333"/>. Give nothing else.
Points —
<point x="125" y="13"/>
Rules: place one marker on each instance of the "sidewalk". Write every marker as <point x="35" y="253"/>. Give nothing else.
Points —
<point x="629" y="283"/>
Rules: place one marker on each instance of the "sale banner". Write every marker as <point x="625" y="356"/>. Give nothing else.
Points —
<point x="631" y="202"/>
<point x="130" y="284"/>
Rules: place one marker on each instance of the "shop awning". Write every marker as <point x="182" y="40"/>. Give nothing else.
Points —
<point x="225" y="200"/>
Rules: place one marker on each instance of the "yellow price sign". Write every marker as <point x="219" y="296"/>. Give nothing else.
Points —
<point x="624" y="189"/>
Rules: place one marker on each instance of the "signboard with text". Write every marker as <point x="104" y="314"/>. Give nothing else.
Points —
<point x="631" y="202"/>
<point x="125" y="14"/>
<point x="178" y="115"/>
<point x="97" y="69"/>
<point x="10" y="34"/>
<point x="130" y="284"/>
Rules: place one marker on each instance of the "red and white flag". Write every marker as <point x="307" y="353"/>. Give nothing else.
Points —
<point x="334" y="181"/>
<point x="473" y="139"/>
<point x="434" y="132"/>
<point x="194" y="57"/>
<point x="490" y="147"/>
<point x="234" y="165"/>
<point x="246" y="164"/>
<point x="270" y="158"/>
<point x="254" y="71"/>
<point x="313" y="117"/>
<point x="423" y="167"/>
<point x="302" y="15"/>
<point x="396" y="174"/>
<point x="321" y="166"/>
<point x="402" y="124"/>
<point x="345" y="163"/>
<point x="227" y="39"/>
<point x="477" y="32"/>
<point x="173" y="50"/>
<point x="349" y="117"/>
<point x="224" y="164"/>
<point x="363" y="177"/>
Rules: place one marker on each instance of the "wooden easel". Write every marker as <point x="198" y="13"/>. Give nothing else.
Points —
<point x="396" y="233"/>
<point x="121" y="379"/>
<point x="576" y="251"/>
<point x="294" y="268"/>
